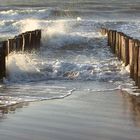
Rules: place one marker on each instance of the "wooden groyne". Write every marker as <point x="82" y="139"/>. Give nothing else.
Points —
<point x="126" y="49"/>
<point x="25" y="42"/>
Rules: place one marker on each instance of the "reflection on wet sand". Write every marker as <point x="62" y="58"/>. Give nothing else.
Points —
<point x="4" y="110"/>
<point x="84" y="115"/>
<point x="132" y="103"/>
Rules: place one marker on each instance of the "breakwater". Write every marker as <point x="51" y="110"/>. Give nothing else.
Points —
<point x="126" y="49"/>
<point x="24" y="42"/>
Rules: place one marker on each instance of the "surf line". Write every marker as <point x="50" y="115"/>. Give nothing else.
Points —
<point x="24" y="42"/>
<point x="127" y="49"/>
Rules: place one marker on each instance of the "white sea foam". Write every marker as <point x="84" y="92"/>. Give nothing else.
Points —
<point x="24" y="13"/>
<point x="79" y="18"/>
<point x="27" y="25"/>
<point x="8" y="100"/>
<point x="21" y="67"/>
<point x="25" y="67"/>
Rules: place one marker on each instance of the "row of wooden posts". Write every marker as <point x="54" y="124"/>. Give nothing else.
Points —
<point x="126" y="49"/>
<point x="27" y="42"/>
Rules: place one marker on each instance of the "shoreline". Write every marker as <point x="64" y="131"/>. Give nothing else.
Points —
<point x="91" y="115"/>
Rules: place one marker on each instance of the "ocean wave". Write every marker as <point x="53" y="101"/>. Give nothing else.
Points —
<point x="72" y="49"/>
<point x="27" y="68"/>
<point x="42" y="13"/>
<point x="22" y="12"/>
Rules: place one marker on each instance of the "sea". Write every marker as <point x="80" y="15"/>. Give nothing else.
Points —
<point x="73" y="56"/>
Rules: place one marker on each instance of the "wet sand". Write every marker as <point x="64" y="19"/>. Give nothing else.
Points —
<point x="81" y="116"/>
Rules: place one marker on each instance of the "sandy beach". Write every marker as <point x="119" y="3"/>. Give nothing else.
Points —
<point x="81" y="116"/>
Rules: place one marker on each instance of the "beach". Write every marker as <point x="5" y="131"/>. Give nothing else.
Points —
<point x="81" y="116"/>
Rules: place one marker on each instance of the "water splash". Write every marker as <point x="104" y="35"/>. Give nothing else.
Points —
<point x="21" y="67"/>
<point x="28" y="25"/>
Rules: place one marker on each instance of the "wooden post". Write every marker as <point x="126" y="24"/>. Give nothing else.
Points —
<point x="19" y="43"/>
<point x="33" y="40"/>
<point x="113" y="41"/>
<point x="122" y="47"/>
<point x="136" y="54"/>
<point x="117" y="44"/>
<point x="126" y="50"/>
<point x="131" y="57"/>
<point x="38" y="38"/>
<point x="2" y="62"/>
<point x="6" y="48"/>
<point x="139" y="65"/>
<point x="109" y="41"/>
<point x="26" y="41"/>
<point x="11" y="45"/>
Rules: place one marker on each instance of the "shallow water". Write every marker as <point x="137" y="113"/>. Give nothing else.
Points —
<point x="83" y="115"/>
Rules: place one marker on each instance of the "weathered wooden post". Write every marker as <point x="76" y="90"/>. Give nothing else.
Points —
<point x="19" y="43"/>
<point x="26" y="41"/>
<point x="117" y="44"/>
<point x="8" y="47"/>
<point x="33" y="40"/>
<point x="2" y="61"/>
<point x="139" y="64"/>
<point x="131" y="57"/>
<point x="113" y="41"/>
<point x="5" y="45"/>
<point x="12" y="45"/>
<point x="122" y="47"/>
<point x="136" y="54"/>
<point x="109" y="36"/>
<point x="125" y="50"/>
<point x="38" y="38"/>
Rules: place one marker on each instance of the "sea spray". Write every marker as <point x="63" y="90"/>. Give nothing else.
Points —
<point x="21" y="66"/>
